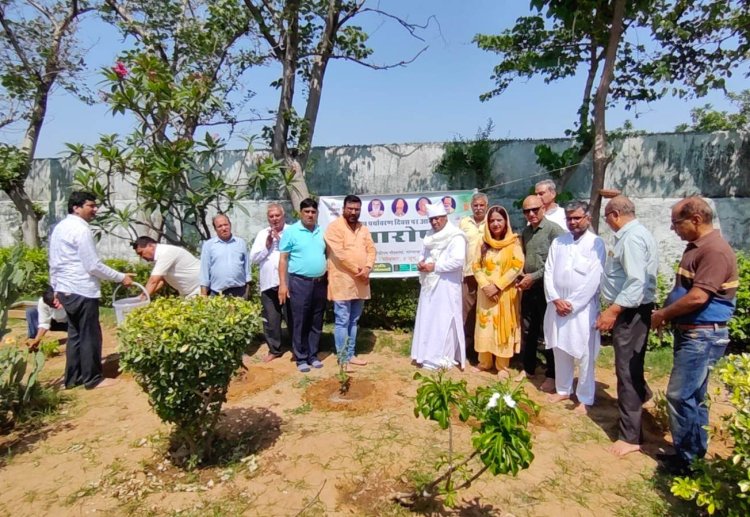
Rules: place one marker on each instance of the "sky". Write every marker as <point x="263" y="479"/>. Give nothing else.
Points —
<point x="435" y="98"/>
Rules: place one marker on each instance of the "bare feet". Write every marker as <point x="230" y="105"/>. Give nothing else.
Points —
<point x="105" y="384"/>
<point x="480" y="369"/>
<point x="503" y="374"/>
<point x="548" y="386"/>
<point x="621" y="448"/>
<point x="521" y="376"/>
<point x="581" y="409"/>
<point x="554" y="398"/>
<point x="270" y="357"/>
<point x="357" y="362"/>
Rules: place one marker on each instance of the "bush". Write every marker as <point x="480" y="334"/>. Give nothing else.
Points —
<point x="17" y="391"/>
<point x="393" y="304"/>
<point x="739" y="325"/>
<point x="722" y="485"/>
<point x="14" y="275"/>
<point x="183" y="354"/>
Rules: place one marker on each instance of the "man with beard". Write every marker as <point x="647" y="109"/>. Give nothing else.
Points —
<point x="351" y="257"/>
<point x="473" y="227"/>
<point x="438" y="331"/>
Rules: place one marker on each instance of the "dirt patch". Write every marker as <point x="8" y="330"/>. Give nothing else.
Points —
<point x="364" y="396"/>
<point x="251" y="382"/>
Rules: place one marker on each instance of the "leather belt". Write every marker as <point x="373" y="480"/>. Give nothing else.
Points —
<point x="690" y="326"/>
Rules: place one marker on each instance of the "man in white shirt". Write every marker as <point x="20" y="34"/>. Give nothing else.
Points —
<point x="572" y="274"/>
<point x="172" y="265"/>
<point x="43" y="318"/>
<point x="265" y="253"/>
<point x="547" y="192"/>
<point x="75" y="272"/>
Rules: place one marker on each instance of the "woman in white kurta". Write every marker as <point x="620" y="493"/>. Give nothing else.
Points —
<point x="438" y="330"/>
<point x="572" y="273"/>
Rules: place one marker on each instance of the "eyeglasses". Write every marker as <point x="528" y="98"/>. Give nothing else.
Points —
<point x="607" y="214"/>
<point x="678" y="221"/>
<point x="531" y="210"/>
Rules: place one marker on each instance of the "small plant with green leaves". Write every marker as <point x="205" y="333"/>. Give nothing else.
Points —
<point x="17" y="390"/>
<point x="722" y="485"/>
<point x="345" y="380"/>
<point x="15" y="273"/>
<point x="500" y="441"/>
<point x="50" y="348"/>
<point x="183" y="354"/>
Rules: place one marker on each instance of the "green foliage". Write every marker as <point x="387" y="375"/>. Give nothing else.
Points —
<point x="13" y="165"/>
<point x="722" y="485"/>
<point x="50" y="348"/>
<point x="36" y="260"/>
<point x="739" y="325"/>
<point x="392" y="304"/>
<point x="183" y="354"/>
<point x="662" y="339"/>
<point x="15" y="274"/>
<point x="17" y="390"/>
<point x="500" y="440"/>
<point x="707" y="119"/>
<point x="141" y="271"/>
<point x="468" y="163"/>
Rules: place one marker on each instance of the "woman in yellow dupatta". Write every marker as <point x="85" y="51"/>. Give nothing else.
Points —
<point x="499" y="262"/>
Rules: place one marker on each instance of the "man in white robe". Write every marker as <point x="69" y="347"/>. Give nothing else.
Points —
<point x="571" y="284"/>
<point x="438" y="331"/>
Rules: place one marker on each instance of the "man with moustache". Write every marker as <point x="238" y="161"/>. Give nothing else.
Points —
<point x="225" y="264"/>
<point x="172" y="265"/>
<point x="629" y="287"/>
<point x="351" y="257"/>
<point x="473" y="227"/>
<point x="75" y="273"/>
<point x="302" y="282"/>
<point x="536" y="238"/>
<point x="547" y="192"/>
<point x="572" y="275"/>
<point x="265" y="253"/>
<point x="438" y="330"/>
<point x="702" y="301"/>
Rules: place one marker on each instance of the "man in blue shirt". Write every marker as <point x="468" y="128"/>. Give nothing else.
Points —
<point x="629" y="286"/>
<point x="225" y="262"/>
<point x="302" y="281"/>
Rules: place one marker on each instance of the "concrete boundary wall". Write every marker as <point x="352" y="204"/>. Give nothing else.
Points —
<point x="654" y="170"/>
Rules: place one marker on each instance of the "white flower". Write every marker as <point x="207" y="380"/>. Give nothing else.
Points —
<point x="509" y="401"/>
<point x="493" y="400"/>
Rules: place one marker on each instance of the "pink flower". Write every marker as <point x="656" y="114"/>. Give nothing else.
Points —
<point x="120" y="70"/>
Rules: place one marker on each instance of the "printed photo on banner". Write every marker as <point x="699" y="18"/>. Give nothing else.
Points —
<point x="398" y="223"/>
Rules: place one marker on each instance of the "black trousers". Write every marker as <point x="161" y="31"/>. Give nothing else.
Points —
<point x="629" y="338"/>
<point x="533" y="305"/>
<point x="470" y="288"/>
<point x="307" y="301"/>
<point x="237" y="292"/>
<point x="273" y="313"/>
<point x="83" y="352"/>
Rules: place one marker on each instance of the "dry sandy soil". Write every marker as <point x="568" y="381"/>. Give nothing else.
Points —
<point x="302" y="452"/>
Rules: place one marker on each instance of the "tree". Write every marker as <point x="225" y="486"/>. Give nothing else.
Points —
<point x="38" y="51"/>
<point x="707" y="119"/>
<point x="303" y="36"/>
<point x="691" y="53"/>
<point x="182" y="75"/>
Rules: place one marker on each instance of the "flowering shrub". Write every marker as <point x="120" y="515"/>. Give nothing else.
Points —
<point x="722" y="485"/>
<point x="501" y="442"/>
<point x="183" y="354"/>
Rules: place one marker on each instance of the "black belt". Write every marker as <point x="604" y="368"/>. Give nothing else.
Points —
<point x="309" y="278"/>
<point x="693" y="326"/>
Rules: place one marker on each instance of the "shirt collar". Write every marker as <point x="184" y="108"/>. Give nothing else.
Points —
<point x="706" y="238"/>
<point x="626" y="228"/>
<point x="229" y="241"/>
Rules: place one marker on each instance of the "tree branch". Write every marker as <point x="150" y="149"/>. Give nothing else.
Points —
<point x="381" y="67"/>
<point x="136" y="28"/>
<point x="265" y="30"/>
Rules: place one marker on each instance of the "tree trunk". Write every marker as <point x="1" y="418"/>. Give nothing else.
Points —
<point x="601" y="159"/>
<point x="29" y="220"/>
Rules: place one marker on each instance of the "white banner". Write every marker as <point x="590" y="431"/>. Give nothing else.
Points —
<point x="398" y="222"/>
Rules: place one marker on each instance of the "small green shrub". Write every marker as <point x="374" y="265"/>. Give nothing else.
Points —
<point x="739" y="325"/>
<point x="183" y="354"/>
<point x="663" y="339"/>
<point x="393" y="304"/>
<point x="15" y="274"/>
<point x="50" y="348"/>
<point x="17" y="390"/>
<point x="500" y="440"/>
<point x="722" y="485"/>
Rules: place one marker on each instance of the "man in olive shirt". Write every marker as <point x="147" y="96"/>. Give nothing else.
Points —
<point x="536" y="239"/>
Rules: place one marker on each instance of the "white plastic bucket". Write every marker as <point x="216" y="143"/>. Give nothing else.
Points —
<point x="124" y="306"/>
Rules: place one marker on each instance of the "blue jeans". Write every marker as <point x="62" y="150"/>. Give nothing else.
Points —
<point x="695" y="351"/>
<point x="347" y="315"/>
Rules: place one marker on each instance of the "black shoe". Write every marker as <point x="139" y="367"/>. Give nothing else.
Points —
<point x="673" y="464"/>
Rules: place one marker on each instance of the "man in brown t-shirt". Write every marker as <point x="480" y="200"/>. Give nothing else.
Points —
<point x="699" y="306"/>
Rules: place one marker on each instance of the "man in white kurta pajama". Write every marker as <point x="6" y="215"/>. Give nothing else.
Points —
<point x="571" y="284"/>
<point x="438" y="331"/>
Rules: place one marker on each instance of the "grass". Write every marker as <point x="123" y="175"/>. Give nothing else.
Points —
<point x="300" y="410"/>
<point x="657" y="365"/>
